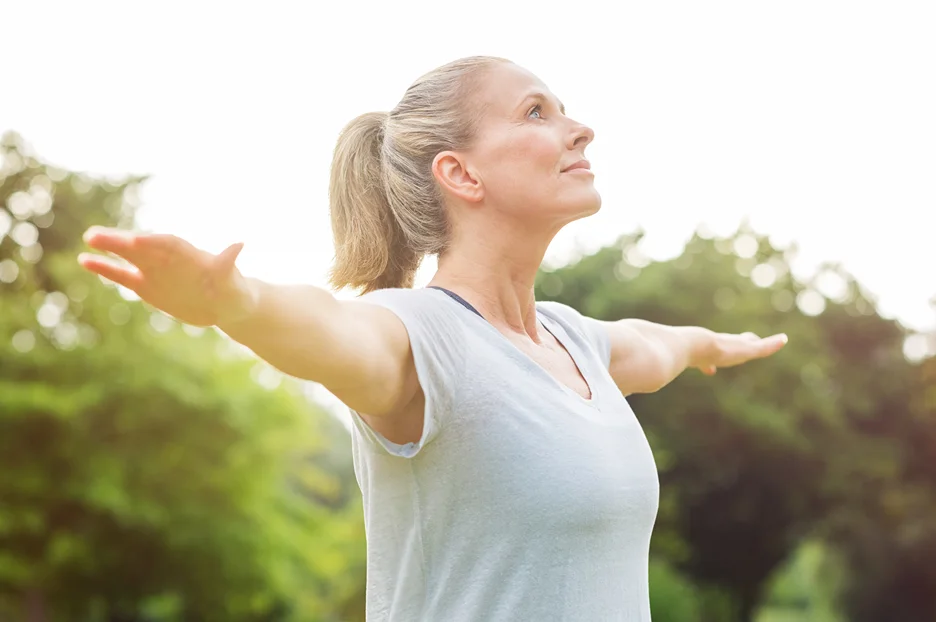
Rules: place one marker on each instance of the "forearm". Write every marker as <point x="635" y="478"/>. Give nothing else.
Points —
<point x="645" y="357"/>
<point x="286" y="325"/>
<point x="673" y="348"/>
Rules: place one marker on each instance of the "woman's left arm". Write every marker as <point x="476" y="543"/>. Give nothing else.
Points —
<point x="645" y="357"/>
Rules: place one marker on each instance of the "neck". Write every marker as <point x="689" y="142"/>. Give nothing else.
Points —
<point x="496" y="273"/>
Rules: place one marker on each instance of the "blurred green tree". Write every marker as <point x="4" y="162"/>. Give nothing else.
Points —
<point x="149" y="471"/>
<point x="890" y="534"/>
<point x="145" y="473"/>
<point x="758" y="457"/>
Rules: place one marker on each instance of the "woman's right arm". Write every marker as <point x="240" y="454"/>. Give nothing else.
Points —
<point x="358" y="351"/>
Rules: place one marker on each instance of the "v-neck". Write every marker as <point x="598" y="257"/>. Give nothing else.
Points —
<point x="581" y="370"/>
<point x="590" y="401"/>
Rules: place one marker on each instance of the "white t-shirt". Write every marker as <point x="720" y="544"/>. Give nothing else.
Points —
<point x="522" y="502"/>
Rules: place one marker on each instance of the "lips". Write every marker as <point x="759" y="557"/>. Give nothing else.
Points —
<point x="585" y="164"/>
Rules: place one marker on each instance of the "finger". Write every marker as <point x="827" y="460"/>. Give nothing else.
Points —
<point x="769" y="345"/>
<point x="750" y="336"/>
<point x="228" y="256"/>
<point x="108" y="236"/>
<point x="147" y="251"/>
<point x="778" y="341"/>
<point x="117" y="241"/>
<point x="164" y="242"/>
<point x="162" y="250"/>
<point x="122" y="275"/>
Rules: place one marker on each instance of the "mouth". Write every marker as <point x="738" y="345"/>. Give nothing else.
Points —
<point x="580" y="165"/>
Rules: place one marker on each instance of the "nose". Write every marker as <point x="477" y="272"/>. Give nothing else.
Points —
<point x="580" y="136"/>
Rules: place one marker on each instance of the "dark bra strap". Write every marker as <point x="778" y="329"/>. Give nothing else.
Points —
<point x="458" y="298"/>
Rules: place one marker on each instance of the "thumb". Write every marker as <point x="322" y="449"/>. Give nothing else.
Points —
<point x="228" y="256"/>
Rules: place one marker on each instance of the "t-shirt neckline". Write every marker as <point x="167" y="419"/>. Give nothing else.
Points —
<point x="590" y="401"/>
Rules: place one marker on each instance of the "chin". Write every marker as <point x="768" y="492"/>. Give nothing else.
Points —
<point x="590" y="206"/>
<point x="580" y="211"/>
<point x="573" y="207"/>
<point x="596" y="206"/>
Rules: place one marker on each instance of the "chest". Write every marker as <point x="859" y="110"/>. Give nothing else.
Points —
<point x="538" y="453"/>
<point x="553" y="358"/>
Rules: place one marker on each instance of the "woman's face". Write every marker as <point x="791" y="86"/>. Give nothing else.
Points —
<point x="524" y="146"/>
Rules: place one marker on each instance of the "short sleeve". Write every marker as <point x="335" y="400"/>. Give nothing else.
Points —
<point x="591" y="330"/>
<point x="436" y="337"/>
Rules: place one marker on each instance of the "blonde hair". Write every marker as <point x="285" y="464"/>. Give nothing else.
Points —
<point x="386" y="208"/>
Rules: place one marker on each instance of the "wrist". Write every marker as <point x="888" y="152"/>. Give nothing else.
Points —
<point x="242" y="306"/>
<point x="702" y="346"/>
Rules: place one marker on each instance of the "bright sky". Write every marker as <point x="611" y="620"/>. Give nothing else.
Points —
<point x="813" y="119"/>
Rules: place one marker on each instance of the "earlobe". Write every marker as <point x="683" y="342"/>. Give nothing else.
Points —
<point x="455" y="177"/>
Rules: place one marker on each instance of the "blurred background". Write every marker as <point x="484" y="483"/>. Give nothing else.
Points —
<point x="763" y="167"/>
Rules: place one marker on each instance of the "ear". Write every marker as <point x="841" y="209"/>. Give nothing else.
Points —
<point x="453" y="174"/>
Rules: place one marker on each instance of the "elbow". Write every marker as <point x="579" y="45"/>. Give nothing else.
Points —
<point x="652" y="386"/>
<point x="661" y="370"/>
<point x="650" y="378"/>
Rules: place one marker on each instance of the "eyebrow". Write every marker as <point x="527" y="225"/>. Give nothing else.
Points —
<point x="542" y="97"/>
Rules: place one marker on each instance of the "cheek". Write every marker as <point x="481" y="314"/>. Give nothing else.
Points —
<point x="523" y="167"/>
<point x="536" y="151"/>
<point x="531" y="149"/>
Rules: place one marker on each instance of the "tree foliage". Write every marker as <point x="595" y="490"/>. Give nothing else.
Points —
<point x="832" y="436"/>
<point x="153" y="472"/>
<point x="143" y="470"/>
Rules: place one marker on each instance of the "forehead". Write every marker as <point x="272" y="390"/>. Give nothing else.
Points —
<point x="506" y="86"/>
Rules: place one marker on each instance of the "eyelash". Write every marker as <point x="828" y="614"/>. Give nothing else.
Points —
<point x="537" y="107"/>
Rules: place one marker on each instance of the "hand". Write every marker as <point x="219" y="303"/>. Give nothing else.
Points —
<point x="190" y="284"/>
<point x="726" y="350"/>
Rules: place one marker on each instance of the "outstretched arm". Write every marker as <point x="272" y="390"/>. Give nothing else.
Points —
<point x="358" y="351"/>
<point x="645" y="356"/>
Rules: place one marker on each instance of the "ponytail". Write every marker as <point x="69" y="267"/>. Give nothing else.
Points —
<point x="371" y="250"/>
<point x="387" y="211"/>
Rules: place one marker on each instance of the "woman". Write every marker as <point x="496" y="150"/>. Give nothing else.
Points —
<point x="504" y="475"/>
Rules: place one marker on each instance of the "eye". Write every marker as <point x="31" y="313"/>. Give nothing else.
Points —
<point x="538" y="109"/>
